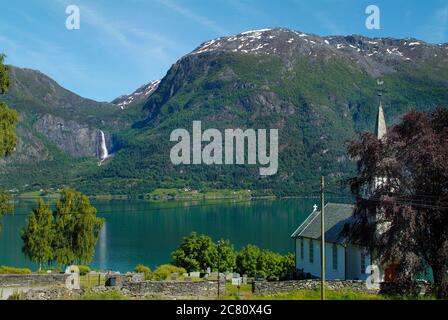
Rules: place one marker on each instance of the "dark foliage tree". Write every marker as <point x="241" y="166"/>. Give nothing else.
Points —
<point x="401" y="195"/>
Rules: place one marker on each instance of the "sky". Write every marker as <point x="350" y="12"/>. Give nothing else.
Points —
<point x="123" y="44"/>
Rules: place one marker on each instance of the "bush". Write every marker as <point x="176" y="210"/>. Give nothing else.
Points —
<point x="83" y="270"/>
<point x="145" y="270"/>
<point x="52" y="270"/>
<point x="163" y="272"/>
<point x="13" y="270"/>
<point x="142" y="269"/>
<point x="254" y="262"/>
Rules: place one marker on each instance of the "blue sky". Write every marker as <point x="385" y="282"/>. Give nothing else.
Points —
<point x="123" y="44"/>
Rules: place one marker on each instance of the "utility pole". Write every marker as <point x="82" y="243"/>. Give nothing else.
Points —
<point x="322" y="243"/>
<point x="219" y="274"/>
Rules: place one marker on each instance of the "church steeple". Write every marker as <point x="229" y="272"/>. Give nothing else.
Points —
<point x="380" y="128"/>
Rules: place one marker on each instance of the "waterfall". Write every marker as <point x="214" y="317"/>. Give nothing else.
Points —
<point x="103" y="153"/>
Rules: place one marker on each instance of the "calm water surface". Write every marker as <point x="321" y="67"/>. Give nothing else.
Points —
<point x="138" y="232"/>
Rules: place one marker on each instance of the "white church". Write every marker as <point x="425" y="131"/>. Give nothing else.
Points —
<point x="343" y="260"/>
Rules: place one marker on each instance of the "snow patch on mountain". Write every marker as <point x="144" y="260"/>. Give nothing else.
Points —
<point x="142" y="93"/>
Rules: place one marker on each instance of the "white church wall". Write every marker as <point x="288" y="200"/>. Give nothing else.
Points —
<point x="314" y="267"/>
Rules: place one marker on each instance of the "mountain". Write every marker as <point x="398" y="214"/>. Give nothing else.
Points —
<point x="59" y="131"/>
<point x="138" y="97"/>
<point x="317" y="91"/>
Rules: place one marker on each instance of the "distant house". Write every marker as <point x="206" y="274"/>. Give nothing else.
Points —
<point x="343" y="260"/>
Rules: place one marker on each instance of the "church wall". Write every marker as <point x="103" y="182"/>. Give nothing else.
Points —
<point x="314" y="267"/>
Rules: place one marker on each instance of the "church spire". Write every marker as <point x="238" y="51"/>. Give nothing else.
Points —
<point x="380" y="128"/>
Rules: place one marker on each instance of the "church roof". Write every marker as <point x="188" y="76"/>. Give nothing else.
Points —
<point x="380" y="127"/>
<point x="337" y="215"/>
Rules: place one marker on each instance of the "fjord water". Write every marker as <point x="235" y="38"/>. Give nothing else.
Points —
<point x="139" y="232"/>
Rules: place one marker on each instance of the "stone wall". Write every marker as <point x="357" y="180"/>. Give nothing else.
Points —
<point x="176" y="289"/>
<point x="50" y="294"/>
<point x="275" y="287"/>
<point x="117" y="280"/>
<point x="32" y="280"/>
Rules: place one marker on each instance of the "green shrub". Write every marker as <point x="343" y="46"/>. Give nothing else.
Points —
<point x="83" y="270"/>
<point x="142" y="269"/>
<point x="163" y="272"/>
<point x="113" y="295"/>
<point x="13" y="270"/>
<point x="53" y="270"/>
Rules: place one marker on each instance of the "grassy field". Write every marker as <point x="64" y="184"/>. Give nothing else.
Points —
<point x="245" y="293"/>
<point x="180" y="194"/>
<point x="53" y="195"/>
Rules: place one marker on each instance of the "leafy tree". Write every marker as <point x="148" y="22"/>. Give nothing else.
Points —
<point x="8" y="138"/>
<point x="199" y="252"/>
<point x="76" y="228"/>
<point x="38" y="234"/>
<point x="5" y="204"/>
<point x="226" y="256"/>
<point x="195" y="253"/>
<point x="270" y="265"/>
<point x="253" y="261"/>
<point x="247" y="260"/>
<point x="405" y="220"/>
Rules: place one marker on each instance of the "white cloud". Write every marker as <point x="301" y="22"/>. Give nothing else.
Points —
<point x="194" y="16"/>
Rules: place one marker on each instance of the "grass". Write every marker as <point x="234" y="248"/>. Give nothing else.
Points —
<point x="246" y="294"/>
<point x="330" y="295"/>
<point x="113" y="295"/>
<point x="179" y="194"/>
<point x="13" y="270"/>
<point x="52" y="195"/>
<point x="88" y="281"/>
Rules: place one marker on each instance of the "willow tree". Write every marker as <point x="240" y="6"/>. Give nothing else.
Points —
<point x="405" y="219"/>
<point x="8" y="138"/>
<point x="76" y="229"/>
<point x="38" y="234"/>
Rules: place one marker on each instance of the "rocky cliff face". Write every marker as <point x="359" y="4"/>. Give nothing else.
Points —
<point x="74" y="139"/>
<point x="57" y="129"/>
<point x="64" y="119"/>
